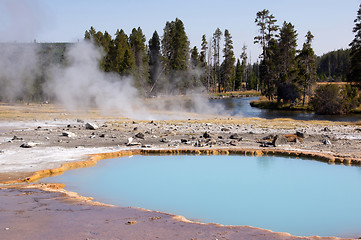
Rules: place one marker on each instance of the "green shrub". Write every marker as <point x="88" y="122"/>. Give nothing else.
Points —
<point x="332" y="99"/>
<point x="327" y="99"/>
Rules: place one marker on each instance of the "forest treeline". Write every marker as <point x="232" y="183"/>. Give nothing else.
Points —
<point x="167" y="64"/>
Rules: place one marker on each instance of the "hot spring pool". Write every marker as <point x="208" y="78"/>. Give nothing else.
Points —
<point x="301" y="197"/>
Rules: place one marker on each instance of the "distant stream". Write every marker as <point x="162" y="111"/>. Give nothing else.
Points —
<point x="241" y="107"/>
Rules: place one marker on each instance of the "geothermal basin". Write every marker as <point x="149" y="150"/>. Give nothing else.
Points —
<point x="282" y="194"/>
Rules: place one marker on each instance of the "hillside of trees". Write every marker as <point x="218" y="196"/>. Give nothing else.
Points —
<point x="167" y="64"/>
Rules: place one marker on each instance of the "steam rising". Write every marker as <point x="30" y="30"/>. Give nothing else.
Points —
<point x="82" y="85"/>
<point x="18" y="70"/>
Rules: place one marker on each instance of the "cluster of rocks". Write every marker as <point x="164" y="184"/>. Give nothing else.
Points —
<point x="160" y="134"/>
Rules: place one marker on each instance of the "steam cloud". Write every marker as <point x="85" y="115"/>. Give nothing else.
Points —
<point x="82" y="85"/>
<point x="18" y="70"/>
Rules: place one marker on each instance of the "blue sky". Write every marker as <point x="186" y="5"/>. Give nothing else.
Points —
<point x="330" y="21"/>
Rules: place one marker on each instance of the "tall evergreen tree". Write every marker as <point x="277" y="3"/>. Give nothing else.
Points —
<point x="175" y="48"/>
<point x="203" y="53"/>
<point x="267" y="29"/>
<point x="216" y="55"/>
<point x="124" y="62"/>
<point x="195" y="57"/>
<point x="287" y="51"/>
<point x="154" y="58"/>
<point x="286" y="85"/>
<point x="244" y="64"/>
<point x="306" y="66"/>
<point x="228" y="63"/>
<point x="355" y="55"/>
<point x="137" y="43"/>
<point x="203" y="62"/>
<point x="238" y="76"/>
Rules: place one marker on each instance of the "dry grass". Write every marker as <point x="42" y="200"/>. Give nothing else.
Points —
<point x="25" y="112"/>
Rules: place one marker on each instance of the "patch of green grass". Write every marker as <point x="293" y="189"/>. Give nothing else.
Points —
<point x="266" y="104"/>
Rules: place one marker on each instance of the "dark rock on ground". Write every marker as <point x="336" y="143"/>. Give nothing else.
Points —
<point x="300" y="134"/>
<point x="139" y="135"/>
<point x="279" y="140"/>
<point x="206" y="135"/>
<point x="28" y="145"/>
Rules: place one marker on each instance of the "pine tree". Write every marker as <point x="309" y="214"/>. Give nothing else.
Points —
<point x="306" y="66"/>
<point x="175" y="48"/>
<point x="195" y="57"/>
<point x="238" y="76"/>
<point x="216" y="55"/>
<point x="154" y="58"/>
<point x="286" y="85"/>
<point x="287" y="51"/>
<point x="203" y="53"/>
<point x="244" y="64"/>
<point x="203" y="62"/>
<point x="137" y="43"/>
<point x="355" y="55"/>
<point x="268" y="70"/>
<point x="124" y="62"/>
<point x="227" y="79"/>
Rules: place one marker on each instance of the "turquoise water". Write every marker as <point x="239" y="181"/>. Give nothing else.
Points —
<point x="301" y="197"/>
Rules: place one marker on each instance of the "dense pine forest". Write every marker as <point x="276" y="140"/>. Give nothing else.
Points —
<point x="167" y="64"/>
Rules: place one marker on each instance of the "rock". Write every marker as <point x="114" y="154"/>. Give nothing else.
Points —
<point x="225" y="129"/>
<point x="206" y="135"/>
<point x="139" y="135"/>
<point x="198" y="144"/>
<point x="130" y="140"/>
<point x="68" y="134"/>
<point x="326" y="129"/>
<point x="131" y="222"/>
<point x="300" y="134"/>
<point x="279" y="140"/>
<point x="164" y="140"/>
<point x="184" y="140"/>
<point x="269" y="137"/>
<point x="15" y="138"/>
<point x="91" y="126"/>
<point x="28" y="145"/>
<point x="131" y="143"/>
<point x="102" y="135"/>
<point x="79" y="121"/>
<point x="235" y="136"/>
<point x="326" y="141"/>
<point x="233" y="143"/>
<point x="212" y="142"/>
